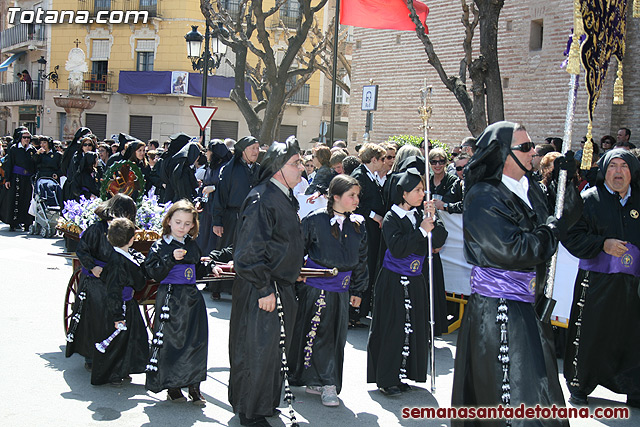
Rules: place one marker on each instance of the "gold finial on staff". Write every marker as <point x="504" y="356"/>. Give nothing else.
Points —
<point x="425" y="103"/>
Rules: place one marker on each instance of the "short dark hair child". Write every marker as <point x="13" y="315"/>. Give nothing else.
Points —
<point x="121" y="231"/>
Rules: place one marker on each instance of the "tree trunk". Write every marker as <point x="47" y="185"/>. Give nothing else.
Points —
<point x="489" y="14"/>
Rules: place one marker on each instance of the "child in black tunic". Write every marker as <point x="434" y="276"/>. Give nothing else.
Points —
<point x="124" y="352"/>
<point x="180" y="340"/>
<point x="87" y="324"/>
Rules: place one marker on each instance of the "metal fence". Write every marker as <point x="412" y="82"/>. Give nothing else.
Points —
<point x="22" y="33"/>
<point x="98" y="82"/>
<point x="20" y="91"/>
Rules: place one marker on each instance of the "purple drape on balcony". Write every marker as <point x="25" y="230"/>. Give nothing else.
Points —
<point x="159" y="82"/>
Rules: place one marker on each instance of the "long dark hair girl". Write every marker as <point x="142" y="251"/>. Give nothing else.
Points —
<point x="339" y="185"/>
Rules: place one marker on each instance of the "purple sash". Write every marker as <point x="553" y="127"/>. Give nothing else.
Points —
<point x="88" y="272"/>
<point x="339" y="283"/>
<point x="629" y="263"/>
<point x="409" y="266"/>
<point x="127" y="293"/>
<point x="21" y="171"/>
<point x="497" y="283"/>
<point x="181" y="274"/>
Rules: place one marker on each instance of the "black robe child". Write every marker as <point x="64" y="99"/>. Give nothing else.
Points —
<point x="387" y="334"/>
<point x="607" y="352"/>
<point x="182" y="183"/>
<point x="269" y="250"/>
<point x="93" y="248"/>
<point x="127" y="353"/>
<point x="347" y="253"/>
<point x="182" y="359"/>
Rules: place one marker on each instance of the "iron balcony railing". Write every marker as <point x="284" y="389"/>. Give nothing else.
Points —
<point x="20" y="91"/>
<point x="22" y="33"/>
<point x="95" y="6"/>
<point x="98" y="82"/>
<point x="301" y="96"/>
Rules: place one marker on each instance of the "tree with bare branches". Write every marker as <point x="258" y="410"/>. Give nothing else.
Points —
<point x="257" y="34"/>
<point x="484" y="103"/>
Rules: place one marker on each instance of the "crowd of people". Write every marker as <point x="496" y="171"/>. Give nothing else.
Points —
<point x="241" y="200"/>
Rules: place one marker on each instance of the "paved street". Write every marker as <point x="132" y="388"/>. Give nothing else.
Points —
<point x="40" y="387"/>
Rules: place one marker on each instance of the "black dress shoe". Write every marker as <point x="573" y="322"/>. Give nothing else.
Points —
<point x="390" y="391"/>
<point x="196" y="397"/>
<point x="215" y="296"/>
<point x="256" y="422"/>
<point x="578" y="398"/>
<point x="404" y="387"/>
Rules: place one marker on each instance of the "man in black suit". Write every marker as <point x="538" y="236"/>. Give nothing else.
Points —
<point x="372" y="208"/>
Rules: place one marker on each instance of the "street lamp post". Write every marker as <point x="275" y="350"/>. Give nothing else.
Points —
<point x="211" y="56"/>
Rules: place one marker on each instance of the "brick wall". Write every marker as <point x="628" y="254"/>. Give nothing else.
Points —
<point x="537" y="87"/>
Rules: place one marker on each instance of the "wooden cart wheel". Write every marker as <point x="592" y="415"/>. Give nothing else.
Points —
<point x="147" y="301"/>
<point x="70" y="298"/>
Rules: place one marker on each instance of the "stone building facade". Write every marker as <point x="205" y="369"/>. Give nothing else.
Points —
<point x="531" y="41"/>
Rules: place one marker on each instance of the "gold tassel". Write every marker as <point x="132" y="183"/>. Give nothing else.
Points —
<point x="618" y="86"/>
<point x="636" y="8"/>
<point x="587" y="151"/>
<point x="573" y="64"/>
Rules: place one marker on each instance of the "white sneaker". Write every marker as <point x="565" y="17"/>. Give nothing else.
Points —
<point x="330" y="396"/>
<point x="314" y="389"/>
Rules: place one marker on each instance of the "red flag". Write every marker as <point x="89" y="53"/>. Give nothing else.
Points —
<point x="381" y="14"/>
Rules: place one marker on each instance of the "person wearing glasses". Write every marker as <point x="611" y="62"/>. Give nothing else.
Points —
<point x="19" y="166"/>
<point x="441" y="181"/>
<point x="505" y="355"/>
<point x="453" y="202"/>
<point x="268" y="255"/>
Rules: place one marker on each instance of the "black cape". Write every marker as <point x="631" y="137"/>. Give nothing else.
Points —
<point x="14" y="205"/>
<point x="268" y="250"/>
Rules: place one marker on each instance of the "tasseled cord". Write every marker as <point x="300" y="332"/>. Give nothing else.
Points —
<point x="288" y="394"/>
<point x="313" y="332"/>
<point x="583" y="297"/>
<point x="618" y="86"/>
<point x="408" y="329"/>
<point x="158" y="339"/>
<point x="502" y="318"/>
<point x="573" y="64"/>
<point x="587" y="151"/>
<point x="636" y="8"/>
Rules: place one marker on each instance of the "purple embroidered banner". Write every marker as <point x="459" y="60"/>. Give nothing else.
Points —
<point x="409" y="266"/>
<point x="181" y="274"/>
<point x="159" y="82"/>
<point x="339" y="283"/>
<point x="497" y="283"/>
<point x="629" y="263"/>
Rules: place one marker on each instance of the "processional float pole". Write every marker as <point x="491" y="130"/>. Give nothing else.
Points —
<point x="425" y="115"/>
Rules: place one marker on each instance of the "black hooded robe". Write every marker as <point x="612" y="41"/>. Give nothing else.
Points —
<point x="501" y="231"/>
<point x="93" y="249"/>
<point x="348" y="253"/>
<point x="19" y="167"/>
<point x="387" y="333"/>
<point x="182" y="183"/>
<point x="269" y="250"/>
<point x="607" y="351"/>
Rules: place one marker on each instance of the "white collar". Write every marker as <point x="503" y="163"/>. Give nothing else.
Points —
<point x="402" y="213"/>
<point x="370" y="174"/>
<point x="126" y="254"/>
<point x="169" y="238"/>
<point x="280" y="185"/>
<point x="519" y="188"/>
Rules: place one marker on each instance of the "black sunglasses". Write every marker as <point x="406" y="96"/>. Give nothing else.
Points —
<point x="525" y="147"/>
<point x="459" y="168"/>
<point x="26" y="137"/>
<point x="87" y="144"/>
<point x="437" y="162"/>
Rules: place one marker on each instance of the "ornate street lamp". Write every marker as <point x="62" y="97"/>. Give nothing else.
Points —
<point x="211" y="57"/>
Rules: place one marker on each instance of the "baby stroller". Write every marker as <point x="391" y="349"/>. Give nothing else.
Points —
<point x="45" y="206"/>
